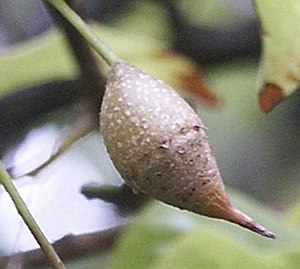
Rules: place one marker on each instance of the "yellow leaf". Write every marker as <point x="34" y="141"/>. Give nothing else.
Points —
<point x="280" y="63"/>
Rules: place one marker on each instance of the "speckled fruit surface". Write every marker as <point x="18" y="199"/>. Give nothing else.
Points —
<point x="159" y="146"/>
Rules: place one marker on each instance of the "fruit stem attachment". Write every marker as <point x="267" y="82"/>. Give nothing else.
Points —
<point x="23" y="210"/>
<point x="84" y="30"/>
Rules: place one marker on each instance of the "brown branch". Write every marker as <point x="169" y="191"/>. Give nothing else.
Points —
<point x="91" y="81"/>
<point x="68" y="247"/>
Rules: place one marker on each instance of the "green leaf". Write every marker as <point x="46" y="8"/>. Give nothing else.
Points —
<point x="213" y="13"/>
<point x="207" y="248"/>
<point x="293" y="215"/>
<point x="280" y="61"/>
<point x="161" y="233"/>
<point x="292" y="258"/>
<point x="142" y="243"/>
<point x="42" y="59"/>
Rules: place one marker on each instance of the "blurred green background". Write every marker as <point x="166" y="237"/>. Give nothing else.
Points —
<point x="258" y="154"/>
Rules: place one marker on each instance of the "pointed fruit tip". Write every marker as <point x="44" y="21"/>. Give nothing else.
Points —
<point x="248" y="223"/>
<point x="253" y="226"/>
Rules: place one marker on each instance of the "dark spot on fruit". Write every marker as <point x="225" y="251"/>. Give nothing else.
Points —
<point x="191" y="161"/>
<point x="196" y="127"/>
<point x="201" y="173"/>
<point x="205" y="182"/>
<point x="163" y="189"/>
<point x="168" y="164"/>
<point x="181" y="150"/>
<point x="182" y="130"/>
<point x="165" y="143"/>
<point x="184" y="199"/>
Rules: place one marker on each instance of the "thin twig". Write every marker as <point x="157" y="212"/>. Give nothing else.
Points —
<point x="20" y="205"/>
<point x="101" y="48"/>
<point x="92" y="80"/>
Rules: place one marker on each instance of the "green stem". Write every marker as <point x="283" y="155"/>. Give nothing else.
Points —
<point x="101" y="48"/>
<point x="46" y="247"/>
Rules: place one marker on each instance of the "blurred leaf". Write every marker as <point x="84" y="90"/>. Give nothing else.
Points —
<point x="95" y="261"/>
<point x="292" y="258"/>
<point x="47" y="59"/>
<point x="294" y="215"/>
<point x="207" y="248"/>
<point x="126" y="201"/>
<point x="180" y="72"/>
<point x="280" y="61"/>
<point x="133" y="21"/>
<point x="213" y="13"/>
<point x="42" y="59"/>
<point x="162" y="233"/>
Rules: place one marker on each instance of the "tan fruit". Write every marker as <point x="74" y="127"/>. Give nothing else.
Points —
<point x="159" y="146"/>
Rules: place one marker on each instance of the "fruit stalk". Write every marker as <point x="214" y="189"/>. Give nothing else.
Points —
<point x="70" y="15"/>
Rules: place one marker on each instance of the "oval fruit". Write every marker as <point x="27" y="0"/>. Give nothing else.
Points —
<point x="159" y="146"/>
